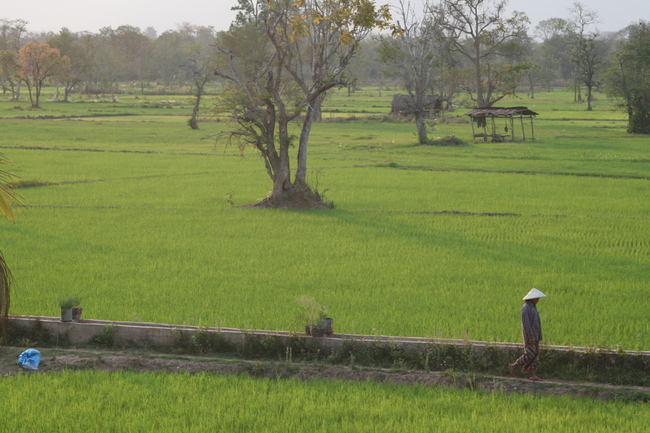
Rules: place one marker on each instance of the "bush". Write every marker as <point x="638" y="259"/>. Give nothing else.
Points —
<point x="450" y="140"/>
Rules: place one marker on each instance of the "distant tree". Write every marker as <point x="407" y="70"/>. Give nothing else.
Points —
<point x="365" y="66"/>
<point x="11" y="40"/>
<point x="151" y="33"/>
<point x="587" y="49"/>
<point x="630" y="80"/>
<point x="553" y="53"/>
<point x="131" y="49"/>
<point x="413" y="56"/>
<point x="37" y="62"/>
<point x="201" y="65"/>
<point x="480" y="31"/>
<point x="108" y="63"/>
<point x="534" y="75"/>
<point x="249" y="12"/>
<point x="9" y="73"/>
<point x="74" y="47"/>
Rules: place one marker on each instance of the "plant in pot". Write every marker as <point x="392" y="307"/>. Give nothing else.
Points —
<point x="317" y="324"/>
<point x="76" y="309"/>
<point x="66" y="305"/>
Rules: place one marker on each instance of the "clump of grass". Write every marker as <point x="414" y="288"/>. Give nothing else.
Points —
<point x="106" y="338"/>
<point x="450" y="140"/>
<point x="29" y="184"/>
<point x="68" y="303"/>
<point x="391" y="164"/>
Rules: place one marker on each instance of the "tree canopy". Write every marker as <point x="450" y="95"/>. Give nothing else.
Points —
<point x="630" y="80"/>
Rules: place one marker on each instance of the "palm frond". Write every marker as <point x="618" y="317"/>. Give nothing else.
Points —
<point x="5" y="297"/>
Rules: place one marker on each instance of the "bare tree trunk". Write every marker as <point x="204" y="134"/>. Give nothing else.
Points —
<point x="479" y="85"/>
<point x="193" y="122"/>
<point x="421" y="126"/>
<point x="282" y="176"/>
<point x="317" y="107"/>
<point x="313" y="114"/>
<point x="200" y="85"/>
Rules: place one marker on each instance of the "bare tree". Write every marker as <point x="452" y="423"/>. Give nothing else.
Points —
<point x="413" y="56"/>
<point x="587" y="49"/>
<point x="481" y="32"/>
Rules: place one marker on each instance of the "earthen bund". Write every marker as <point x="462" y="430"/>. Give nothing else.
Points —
<point x="155" y="334"/>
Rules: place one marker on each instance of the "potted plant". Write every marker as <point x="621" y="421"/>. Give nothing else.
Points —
<point x="317" y="324"/>
<point x="66" y="305"/>
<point x="76" y="309"/>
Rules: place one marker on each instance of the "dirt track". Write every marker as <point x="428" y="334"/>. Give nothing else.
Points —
<point x="55" y="360"/>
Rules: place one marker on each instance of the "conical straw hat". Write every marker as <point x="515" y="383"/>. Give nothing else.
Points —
<point x="533" y="294"/>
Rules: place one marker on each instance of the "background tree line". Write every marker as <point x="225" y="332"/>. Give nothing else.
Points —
<point x="471" y="52"/>
<point x="100" y="63"/>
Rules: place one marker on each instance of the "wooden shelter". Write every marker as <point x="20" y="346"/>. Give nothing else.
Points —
<point x="486" y="119"/>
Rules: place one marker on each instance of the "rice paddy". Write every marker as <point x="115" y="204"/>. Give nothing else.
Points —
<point x="135" y="215"/>
<point x="131" y="402"/>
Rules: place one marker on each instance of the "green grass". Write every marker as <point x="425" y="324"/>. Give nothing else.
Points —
<point x="134" y="216"/>
<point x="130" y="402"/>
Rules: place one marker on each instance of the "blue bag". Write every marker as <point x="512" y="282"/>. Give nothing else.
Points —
<point x="30" y="359"/>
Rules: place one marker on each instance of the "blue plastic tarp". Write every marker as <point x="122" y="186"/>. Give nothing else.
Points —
<point x="30" y="359"/>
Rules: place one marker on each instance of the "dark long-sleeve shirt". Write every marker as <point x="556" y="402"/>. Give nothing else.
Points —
<point x="530" y="323"/>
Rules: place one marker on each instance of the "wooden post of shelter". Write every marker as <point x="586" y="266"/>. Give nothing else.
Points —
<point x="532" y="129"/>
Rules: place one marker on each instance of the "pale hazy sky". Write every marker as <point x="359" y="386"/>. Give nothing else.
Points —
<point x="91" y="15"/>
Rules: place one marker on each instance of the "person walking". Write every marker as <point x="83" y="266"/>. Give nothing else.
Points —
<point x="532" y="332"/>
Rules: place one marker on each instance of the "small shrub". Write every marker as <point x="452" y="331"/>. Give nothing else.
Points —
<point x="209" y="342"/>
<point x="106" y="338"/>
<point x="450" y="140"/>
<point x="262" y="346"/>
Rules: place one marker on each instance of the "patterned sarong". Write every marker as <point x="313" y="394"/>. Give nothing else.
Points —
<point x="529" y="358"/>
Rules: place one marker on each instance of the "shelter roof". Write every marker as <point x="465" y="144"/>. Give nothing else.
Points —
<point x="500" y="112"/>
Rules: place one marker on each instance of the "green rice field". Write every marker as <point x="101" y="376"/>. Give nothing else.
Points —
<point x="131" y="402"/>
<point x="137" y="214"/>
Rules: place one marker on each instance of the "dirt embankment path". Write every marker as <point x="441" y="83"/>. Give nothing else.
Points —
<point x="54" y="360"/>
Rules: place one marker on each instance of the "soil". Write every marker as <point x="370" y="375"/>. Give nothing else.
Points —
<point x="54" y="360"/>
<point x="296" y="202"/>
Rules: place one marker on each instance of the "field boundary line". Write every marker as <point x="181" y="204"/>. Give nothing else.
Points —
<point x="114" y="179"/>
<point x="497" y="214"/>
<point x="442" y="212"/>
<point x="146" y="152"/>
<point x="524" y="173"/>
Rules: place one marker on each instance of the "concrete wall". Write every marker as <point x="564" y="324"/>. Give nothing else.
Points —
<point x="147" y="334"/>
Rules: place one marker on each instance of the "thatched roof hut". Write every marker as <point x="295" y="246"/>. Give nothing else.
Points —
<point x="404" y="105"/>
<point x="480" y="116"/>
